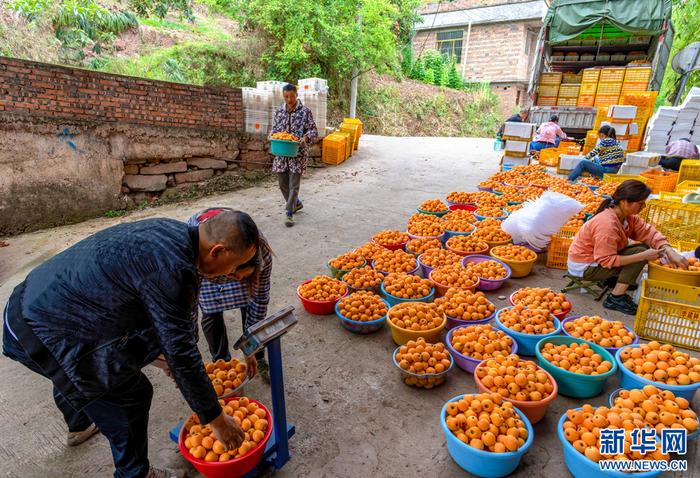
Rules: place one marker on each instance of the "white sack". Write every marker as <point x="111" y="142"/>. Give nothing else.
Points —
<point x="537" y="220"/>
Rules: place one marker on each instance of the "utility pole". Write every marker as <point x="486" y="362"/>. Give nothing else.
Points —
<point x="353" y="80"/>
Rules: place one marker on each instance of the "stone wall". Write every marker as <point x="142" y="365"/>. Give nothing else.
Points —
<point x="77" y="143"/>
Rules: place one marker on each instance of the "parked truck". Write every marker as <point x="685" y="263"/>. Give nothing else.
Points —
<point x="580" y="34"/>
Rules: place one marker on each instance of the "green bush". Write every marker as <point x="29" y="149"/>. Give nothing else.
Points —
<point x="160" y="8"/>
<point x="30" y="8"/>
<point x="686" y="22"/>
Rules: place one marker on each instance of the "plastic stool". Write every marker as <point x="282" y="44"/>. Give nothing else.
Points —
<point x="594" y="288"/>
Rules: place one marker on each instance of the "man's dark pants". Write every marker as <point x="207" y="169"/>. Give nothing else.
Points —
<point x="121" y="415"/>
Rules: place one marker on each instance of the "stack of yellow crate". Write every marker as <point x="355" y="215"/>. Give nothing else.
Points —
<point x="644" y="101"/>
<point x="609" y="86"/>
<point x="568" y="94"/>
<point x="636" y="79"/>
<point x="591" y="141"/>
<point x="589" y="85"/>
<point x="548" y="89"/>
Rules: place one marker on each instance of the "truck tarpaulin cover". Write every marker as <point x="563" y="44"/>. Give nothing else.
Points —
<point x="569" y="18"/>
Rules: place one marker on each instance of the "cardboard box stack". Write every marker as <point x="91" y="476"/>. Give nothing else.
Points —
<point x="548" y="89"/>
<point x="621" y="117"/>
<point x="644" y="101"/>
<point x="671" y="123"/>
<point x="517" y="138"/>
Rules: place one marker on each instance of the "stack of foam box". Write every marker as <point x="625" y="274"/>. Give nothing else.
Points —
<point x="638" y="162"/>
<point x="517" y="138"/>
<point x="313" y="93"/>
<point x="256" y="110"/>
<point x="671" y="123"/>
<point x="276" y="94"/>
<point x="621" y="117"/>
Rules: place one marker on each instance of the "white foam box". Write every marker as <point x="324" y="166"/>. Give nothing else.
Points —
<point x="643" y="159"/>
<point x="519" y="130"/>
<point x="517" y="146"/>
<point x="627" y="112"/>
<point x="515" y="161"/>
<point x="620" y="128"/>
<point x="623" y="144"/>
<point x="631" y="170"/>
<point x="568" y="162"/>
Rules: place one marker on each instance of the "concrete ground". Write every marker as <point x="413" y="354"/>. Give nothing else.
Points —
<point x="354" y="416"/>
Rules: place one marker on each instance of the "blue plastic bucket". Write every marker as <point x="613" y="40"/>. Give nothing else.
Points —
<point x="581" y="467"/>
<point x="526" y="342"/>
<point x="571" y="384"/>
<point x="630" y="380"/>
<point x="281" y="147"/>
<point x="480" y="462"/>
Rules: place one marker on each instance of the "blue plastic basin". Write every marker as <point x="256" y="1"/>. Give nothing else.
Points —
<point x="526" y="342"/>
<point x="480" y="462"/>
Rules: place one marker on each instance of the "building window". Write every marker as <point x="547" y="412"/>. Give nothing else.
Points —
<point x="449" y="44"/>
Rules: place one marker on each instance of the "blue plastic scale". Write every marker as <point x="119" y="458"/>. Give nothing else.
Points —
<point x="267" y="334"/>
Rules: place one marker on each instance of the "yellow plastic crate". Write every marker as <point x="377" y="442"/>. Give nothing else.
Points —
<point x="357" y="122"/>
<point x="687" y="186"/>
<point x="588" y="88"/>
<point x="621" y="178"/>
<point x="612" y="75"/>
<point x="548" y="90"/>
<point x="675" y="220"/>
<point x="568" y="90"/>
<point x="639" y="98"/>
<point x="685" y="246"/>
<point x="549" y="157"/>
<point x="558" y="250"/>
<point x="640" y="74"/>
<point x="333" y="150"/>
<point x="689" y="170"/>
<point x="546" y="101"/>
<point x="609" y="89"/>
<point x="566" y="101"/>
<point x="354" y="129"/>
<point x="606" y="100"/>
<point x="348" y="142"/>
<point x="590" y="75"/>
<point x="633" y="87"/>
<point x="667" y="196"/>
<point x="550" y="78"/>
<point x="659" y="181"/>
<point x="669" y="313"/>
<point x="585" y="101"/>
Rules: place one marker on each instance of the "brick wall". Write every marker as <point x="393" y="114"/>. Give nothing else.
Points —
<point x="54" y="91"/>
<point x="465" y="4"/>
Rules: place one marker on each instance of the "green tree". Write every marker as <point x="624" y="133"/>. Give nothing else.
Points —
<point x="418" y="70"/>
<point x="444" y="75"/>
<point x="312" y="38"/>
<point x="407" y="60"/>
<point x="454" y="79"/>
<point x="429" y="76"/>
<point x="686" y="22"/>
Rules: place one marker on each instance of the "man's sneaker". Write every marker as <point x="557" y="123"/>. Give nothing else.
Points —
<point x="298" y="207"/>
<point x="264" y="370"/>
<point x="76" y="438"/>
<point x="622" y="303"/>
<point x="164" y="473"/>
<point x="289" y="222"/>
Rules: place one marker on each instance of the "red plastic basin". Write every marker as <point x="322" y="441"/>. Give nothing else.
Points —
<point x="326" y="307"/>
<point x="233" y="468"/>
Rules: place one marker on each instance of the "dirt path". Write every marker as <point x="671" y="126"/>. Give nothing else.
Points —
<point x="354" y="417"/>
